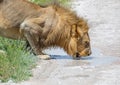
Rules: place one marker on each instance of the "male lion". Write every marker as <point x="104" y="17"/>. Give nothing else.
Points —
<point x="44" y="27"/>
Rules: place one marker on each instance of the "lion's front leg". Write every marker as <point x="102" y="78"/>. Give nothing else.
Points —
<point x="32" y="34"/>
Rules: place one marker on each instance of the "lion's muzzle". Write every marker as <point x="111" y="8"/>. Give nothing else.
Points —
<point x="84" y="53"/>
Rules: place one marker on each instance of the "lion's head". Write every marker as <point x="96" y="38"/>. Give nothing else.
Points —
<point x="79" y="44"/>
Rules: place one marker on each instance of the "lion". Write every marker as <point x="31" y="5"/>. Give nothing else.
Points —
<point x="44" y="27"/>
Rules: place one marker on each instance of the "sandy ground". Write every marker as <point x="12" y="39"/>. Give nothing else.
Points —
<point x="96" y="69"/>
<point x="102" y="67"/>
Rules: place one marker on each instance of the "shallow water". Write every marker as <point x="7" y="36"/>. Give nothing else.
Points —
<point x="96" y="58"/>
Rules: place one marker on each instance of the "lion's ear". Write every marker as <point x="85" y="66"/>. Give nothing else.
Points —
<point x="73" y="30"/>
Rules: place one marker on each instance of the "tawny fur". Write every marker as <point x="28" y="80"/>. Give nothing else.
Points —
<point x="50" y="26"/>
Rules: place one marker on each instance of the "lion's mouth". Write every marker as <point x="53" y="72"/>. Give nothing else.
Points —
<point x="85" y="52"/>
<point x="77" y="55"/>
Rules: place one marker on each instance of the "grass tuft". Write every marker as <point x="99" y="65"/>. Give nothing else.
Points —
<point x="16" y="63"/>
<point x="44" y="2"/>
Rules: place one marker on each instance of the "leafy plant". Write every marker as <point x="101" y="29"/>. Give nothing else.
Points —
<point x="15" y="63"/>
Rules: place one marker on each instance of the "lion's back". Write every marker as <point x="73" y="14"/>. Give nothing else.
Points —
<point x="12" y="15"/>
<point x="17" y="13"/>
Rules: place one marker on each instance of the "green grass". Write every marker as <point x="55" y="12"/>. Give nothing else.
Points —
<point x="43" y="2"/>
<point x="16" y="63"/>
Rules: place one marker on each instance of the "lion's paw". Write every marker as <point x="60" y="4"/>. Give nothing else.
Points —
<point x="44" y="57"/>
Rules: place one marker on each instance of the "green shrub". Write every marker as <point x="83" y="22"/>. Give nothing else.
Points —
<point x="16" y="63"/>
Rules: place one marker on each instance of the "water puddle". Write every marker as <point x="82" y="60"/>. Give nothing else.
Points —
<point x="96" y="59"/>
